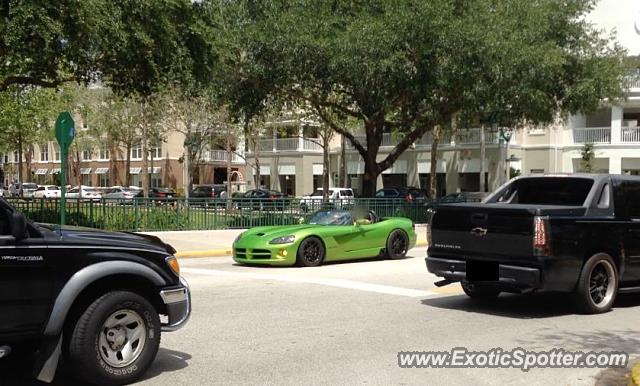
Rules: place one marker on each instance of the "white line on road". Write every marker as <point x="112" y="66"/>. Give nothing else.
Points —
<point x="340" y="283"/>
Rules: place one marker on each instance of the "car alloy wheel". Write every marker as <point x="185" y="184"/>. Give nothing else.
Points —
<point x="122" y="338"/>
<point x="397" y="244"/>
<point x="601" y="283"/>
<point x="310" y="252"/>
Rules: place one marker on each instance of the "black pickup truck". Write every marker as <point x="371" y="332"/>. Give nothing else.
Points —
<point x="93" y="297"/>
<point x="575" y="233"/>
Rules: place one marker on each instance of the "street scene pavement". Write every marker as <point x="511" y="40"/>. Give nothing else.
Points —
<point x="345" y="323"/>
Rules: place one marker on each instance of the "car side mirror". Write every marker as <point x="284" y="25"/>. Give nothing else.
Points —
<point x="18" y="225"/>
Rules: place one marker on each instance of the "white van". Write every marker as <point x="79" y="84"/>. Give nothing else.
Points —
<point x="341" y="198"/>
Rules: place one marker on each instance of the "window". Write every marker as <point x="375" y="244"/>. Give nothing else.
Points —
<point x="57" y="152"/>
<point x="44" y="152"/>
<point x="86" y="179"/>
<point x="546" y="191"/>
<point x="628" y="200"/>
<point x="16" y="156"/>
<point x="104" y="153"/>
<point x="136" y="151"/>
<point x="603" y="202"/>
<point x="156" y="150"/>
<point x="86" y="154"/>
<point x="103" y="180"/>
<point x="537" y="171"/>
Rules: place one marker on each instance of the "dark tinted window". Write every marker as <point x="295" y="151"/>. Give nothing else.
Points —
<point x="202" y="189"/>
<point x="565" y="191"/>
<point x="629" y="199"/>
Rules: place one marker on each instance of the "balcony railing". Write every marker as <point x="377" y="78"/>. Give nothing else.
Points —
<point x="222" y="156"/>
<point x="472" y="137"/>
<point x="289" y="144"/>
<point x="630" y="135"/>
<point x="592" y="135"/>
<point x="464" y="137"/>
<point x="633" y="82"/>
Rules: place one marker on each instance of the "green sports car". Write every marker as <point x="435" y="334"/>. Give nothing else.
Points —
<point x="329" y="235"/>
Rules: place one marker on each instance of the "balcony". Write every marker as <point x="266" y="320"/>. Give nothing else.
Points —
<point x="222" y="156"/>
<point x="633" y="83"/>
<point x="464" y="137"/>
<point x="592" y="135"/>
<point x="630" y="135"/>
<point x="295" y="144"/>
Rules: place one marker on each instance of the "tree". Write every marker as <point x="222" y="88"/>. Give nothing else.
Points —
<point x="134" y="46"/>
<point x="26" y="118"/>
<point x="408" y="67"/>
<point x="587" y="156"/>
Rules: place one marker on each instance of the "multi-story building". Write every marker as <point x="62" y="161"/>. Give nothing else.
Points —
<point x="97" y="165"/>
<point x="291" y="160"/>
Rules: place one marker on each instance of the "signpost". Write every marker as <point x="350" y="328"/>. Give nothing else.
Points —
<point x="65" y="131"/>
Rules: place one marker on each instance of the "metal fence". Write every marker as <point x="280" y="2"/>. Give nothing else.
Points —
<point x="203" y="214"/>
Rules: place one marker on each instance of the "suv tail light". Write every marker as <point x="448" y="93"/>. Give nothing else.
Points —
<point x="213" y="193"/>
<point x="541" y="235"/>
<point x="408" y="198"/>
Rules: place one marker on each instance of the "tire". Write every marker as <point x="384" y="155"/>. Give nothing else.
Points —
<point x="597" y="285"/>
<point x="479" y="291"/>
<point x="397" y="244"/>
<point x="310" y="252"/>
<point x="91" y="351"/>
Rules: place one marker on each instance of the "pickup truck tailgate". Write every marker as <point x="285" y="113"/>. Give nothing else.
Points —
<point x="495" y="232"/>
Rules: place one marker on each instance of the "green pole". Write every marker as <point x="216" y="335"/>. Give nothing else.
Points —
<point x="63" y="184"/>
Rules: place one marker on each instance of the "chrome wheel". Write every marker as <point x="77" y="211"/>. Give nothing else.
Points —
<point x="122" y="338"/>
<point x="602" y="283"/>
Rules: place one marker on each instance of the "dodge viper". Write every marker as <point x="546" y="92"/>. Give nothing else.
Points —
<point x="329" y="235"/>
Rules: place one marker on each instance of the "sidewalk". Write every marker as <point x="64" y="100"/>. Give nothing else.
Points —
<point x="191" y="244"/>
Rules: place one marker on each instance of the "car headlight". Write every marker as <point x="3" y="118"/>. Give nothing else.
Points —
<point x="283" y="240"/>
<point x="239" y="237"/>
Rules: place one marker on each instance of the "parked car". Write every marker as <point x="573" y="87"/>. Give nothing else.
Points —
<point x="107" y="297"/>
<point x="339" y="198"/>
<point x="27" y="189"/>
<point x="411" y="196"/>
<point x="84" y="193"/>
<point x="262" y="199"/>
<point x="120" y="193"/>
<point x="208" y="191"/>
<point x="327" y="236"/>
<point x="47" y="191"/>
<point x="448" y="199"/>
<point x="575" y="233"/>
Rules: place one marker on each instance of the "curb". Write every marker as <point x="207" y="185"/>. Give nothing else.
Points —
<point x="229" y="252"/>
<point x="634" y="376"/>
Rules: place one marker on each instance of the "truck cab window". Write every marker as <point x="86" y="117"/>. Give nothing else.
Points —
<point x="603" y="202"/>
<point x="5" y="225"/>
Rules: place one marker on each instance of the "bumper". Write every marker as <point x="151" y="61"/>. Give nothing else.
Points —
<point x="509" y="277"/>
<point x="267" y="254"/>
<point x="178" y="304"/>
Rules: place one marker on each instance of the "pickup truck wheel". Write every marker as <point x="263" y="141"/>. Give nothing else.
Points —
<point x="115" y="340"/>
<point x="598" y="285"/>
<point x="397" y="245"/>
<point x="479" y="291"/>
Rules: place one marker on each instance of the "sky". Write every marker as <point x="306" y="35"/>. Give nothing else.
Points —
<point x="624" y="17"/>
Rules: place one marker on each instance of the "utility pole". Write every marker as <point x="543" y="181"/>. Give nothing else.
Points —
<point x="482" y="158"/>
<point x="228" y="163"/>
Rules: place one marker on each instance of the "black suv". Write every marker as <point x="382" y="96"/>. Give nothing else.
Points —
<point x="94" y="297"/>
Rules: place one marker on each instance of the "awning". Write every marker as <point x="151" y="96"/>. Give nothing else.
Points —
<point x="135" y="170"/>
<point x="85" y="171"/>
<point x="318" y="169"/>
<point x="398" y="167"/>
<point x="154" y="170"/>
<point x="55" y="171"/>
<point x="102" y="170"/>
<point x="41" y="172"/>
<point x="287" y="170"/>
<point x="425" y="167"/>
<point x="355" y="167"/>
<point x="265" y="170"/>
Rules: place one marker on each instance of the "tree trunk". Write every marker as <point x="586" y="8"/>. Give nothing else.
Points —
<point x="482" y="158"/>
<point x="186" y="181"/>
<point x="433" y="170"/>
<point x="325" y="168"/>
<point x="343" y="163"/>
<point x="113" y="180"/>
<point x="127" y="172"/>
<point x="145" y="171"/>
<point x="229" y="154"/>
<point x="256" y="161"/>
<point x="370" y="176"/>
<point x="20" y="145"/>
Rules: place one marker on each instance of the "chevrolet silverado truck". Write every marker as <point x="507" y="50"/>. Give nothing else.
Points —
<point x="95" y="298"/>
<point x="576" y="233"/>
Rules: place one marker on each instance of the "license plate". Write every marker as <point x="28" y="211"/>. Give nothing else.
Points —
<point x="482" y="271"/>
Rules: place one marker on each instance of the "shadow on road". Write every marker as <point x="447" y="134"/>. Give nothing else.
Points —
<point x="17" y="371"/>
<point x="530" y="306"/>
<point x="326" y="263"/>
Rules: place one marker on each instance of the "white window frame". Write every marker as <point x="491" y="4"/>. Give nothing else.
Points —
<point x="44" y="153"/>
<point x="104" y="154"/>
<point x="136" y="151"/>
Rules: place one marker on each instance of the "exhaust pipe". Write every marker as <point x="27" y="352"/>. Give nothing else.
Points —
<point x="444" y="282"/>
<point x="4" y="351"/>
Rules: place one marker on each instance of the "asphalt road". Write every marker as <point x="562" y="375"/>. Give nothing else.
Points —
<point x="345" y="323"/>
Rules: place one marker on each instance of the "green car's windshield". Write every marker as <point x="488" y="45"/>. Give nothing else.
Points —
<point x="331" y="217"/>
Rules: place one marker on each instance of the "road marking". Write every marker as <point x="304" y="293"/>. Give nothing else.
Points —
<point x="340" y="283"/>
<point x="452" y="289"/>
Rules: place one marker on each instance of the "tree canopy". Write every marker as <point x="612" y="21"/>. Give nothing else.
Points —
<point x="407" y="67"/>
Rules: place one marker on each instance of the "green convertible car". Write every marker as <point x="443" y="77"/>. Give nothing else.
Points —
<point x="329" y="235"/>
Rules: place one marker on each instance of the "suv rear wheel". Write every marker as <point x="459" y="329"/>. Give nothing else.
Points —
<point x="115" y="339"/>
